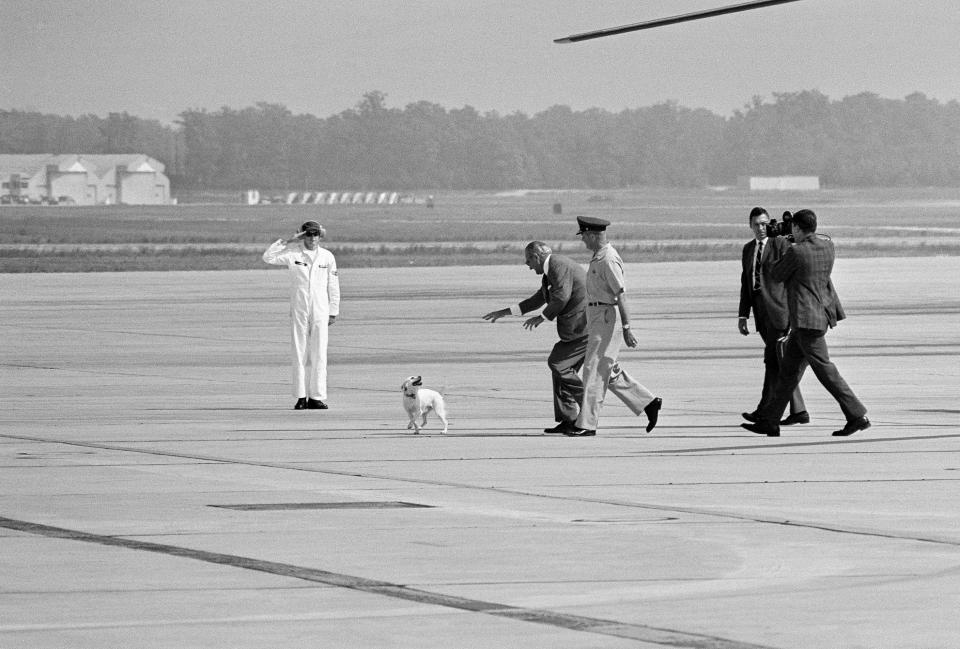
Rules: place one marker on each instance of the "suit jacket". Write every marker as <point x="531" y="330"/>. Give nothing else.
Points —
<point x="563" y="290"/>
<point x="774" y="293"/>
<point x="805" y="270"/>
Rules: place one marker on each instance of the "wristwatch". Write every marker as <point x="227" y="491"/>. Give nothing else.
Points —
<point x="626" y="327"/>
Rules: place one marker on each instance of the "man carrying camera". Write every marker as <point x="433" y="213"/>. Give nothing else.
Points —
<point x="814" y="306"/>
<point x="767" y="299"/>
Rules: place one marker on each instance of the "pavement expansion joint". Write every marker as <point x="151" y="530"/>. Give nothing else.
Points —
<point x="645" y="633"/>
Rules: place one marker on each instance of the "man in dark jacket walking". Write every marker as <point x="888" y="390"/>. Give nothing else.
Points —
<point x="813" y="304"/>
<point x="767" y="300"/>
<point x="563" y="292"/>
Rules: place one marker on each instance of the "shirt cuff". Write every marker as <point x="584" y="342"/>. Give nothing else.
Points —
<point x="515" y="310"/>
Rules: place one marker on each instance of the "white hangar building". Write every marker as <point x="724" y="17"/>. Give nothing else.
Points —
<point x="131" y="179"/>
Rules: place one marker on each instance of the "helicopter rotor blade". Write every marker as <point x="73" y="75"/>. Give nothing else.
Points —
<point x="672" y="20"/>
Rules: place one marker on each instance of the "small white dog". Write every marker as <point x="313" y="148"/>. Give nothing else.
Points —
<point x="418" y="401"/>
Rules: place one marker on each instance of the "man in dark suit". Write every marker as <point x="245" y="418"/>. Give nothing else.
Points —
<point x="563" y="292"/>
<point x="814" y="306"/>
<point x="767" y="299"/>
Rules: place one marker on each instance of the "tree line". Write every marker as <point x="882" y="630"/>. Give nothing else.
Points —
<point x="860" y="140"/>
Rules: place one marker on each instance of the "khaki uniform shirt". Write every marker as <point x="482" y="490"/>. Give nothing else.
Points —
<point x="605" y="276"/>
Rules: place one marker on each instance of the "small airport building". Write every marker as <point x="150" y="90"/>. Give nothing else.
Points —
<point x="779" y="183"/>
<point x="79" y="179"/>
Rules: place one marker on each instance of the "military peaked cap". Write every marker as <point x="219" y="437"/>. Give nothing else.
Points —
<point x="591" y="224"/>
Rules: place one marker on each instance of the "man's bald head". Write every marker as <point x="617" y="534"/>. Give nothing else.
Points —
<point x="534" y="255"/>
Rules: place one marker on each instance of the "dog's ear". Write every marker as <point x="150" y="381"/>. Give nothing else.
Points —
<point x="417" y="380"/>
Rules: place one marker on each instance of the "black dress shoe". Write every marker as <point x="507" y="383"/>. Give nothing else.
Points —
<point x="300" y="404"/>
<point x="750" y="416"/>
<point x="796" y="418"/>
<point x="760" y="429"/>
<point x="573" y="431"/>
<point x="652" y="411"/>
<point x="316" y="404"/>
<point x="562" y="427"/>
<point x="853" y="426"/>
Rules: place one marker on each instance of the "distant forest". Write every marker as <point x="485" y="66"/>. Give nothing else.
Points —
<point x="861" y="140"/>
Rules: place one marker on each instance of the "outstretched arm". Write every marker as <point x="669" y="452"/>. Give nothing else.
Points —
<point x="493" y="316"/>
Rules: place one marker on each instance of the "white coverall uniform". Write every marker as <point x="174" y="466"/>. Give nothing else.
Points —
<point x="314" y="296"/>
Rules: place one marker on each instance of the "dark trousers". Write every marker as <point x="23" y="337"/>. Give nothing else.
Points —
<point x="565" y="361"/>
<point x="809" y="345"/>
<point x="772" y="353"/>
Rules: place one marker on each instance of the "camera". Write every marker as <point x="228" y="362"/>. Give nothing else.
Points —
<point x="783" y="228"/>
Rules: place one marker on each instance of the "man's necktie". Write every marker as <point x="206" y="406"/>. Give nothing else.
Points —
<point x="756" y="266"/>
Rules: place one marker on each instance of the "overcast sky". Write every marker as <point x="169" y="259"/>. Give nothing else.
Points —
<point x="155" y="59"/>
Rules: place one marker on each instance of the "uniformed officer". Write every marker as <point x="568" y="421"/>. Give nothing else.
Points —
<point x="605" y="296"/>
<point x="314" y="305"/>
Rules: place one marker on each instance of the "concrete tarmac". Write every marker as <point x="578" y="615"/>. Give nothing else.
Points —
<point x="158" y="490"/>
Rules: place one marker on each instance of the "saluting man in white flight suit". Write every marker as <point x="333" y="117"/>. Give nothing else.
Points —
<point x="314" y="304"/>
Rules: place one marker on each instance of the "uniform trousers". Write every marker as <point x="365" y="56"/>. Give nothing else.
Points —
<point x="565" y="361"/>
<point x="809" y="345"/>
<point x="772" y="353"/>
<point x="308" y="336"/>
<point x="601" y="370"/>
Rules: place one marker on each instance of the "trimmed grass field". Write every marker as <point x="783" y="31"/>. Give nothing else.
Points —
<point x="467" y="228"/>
